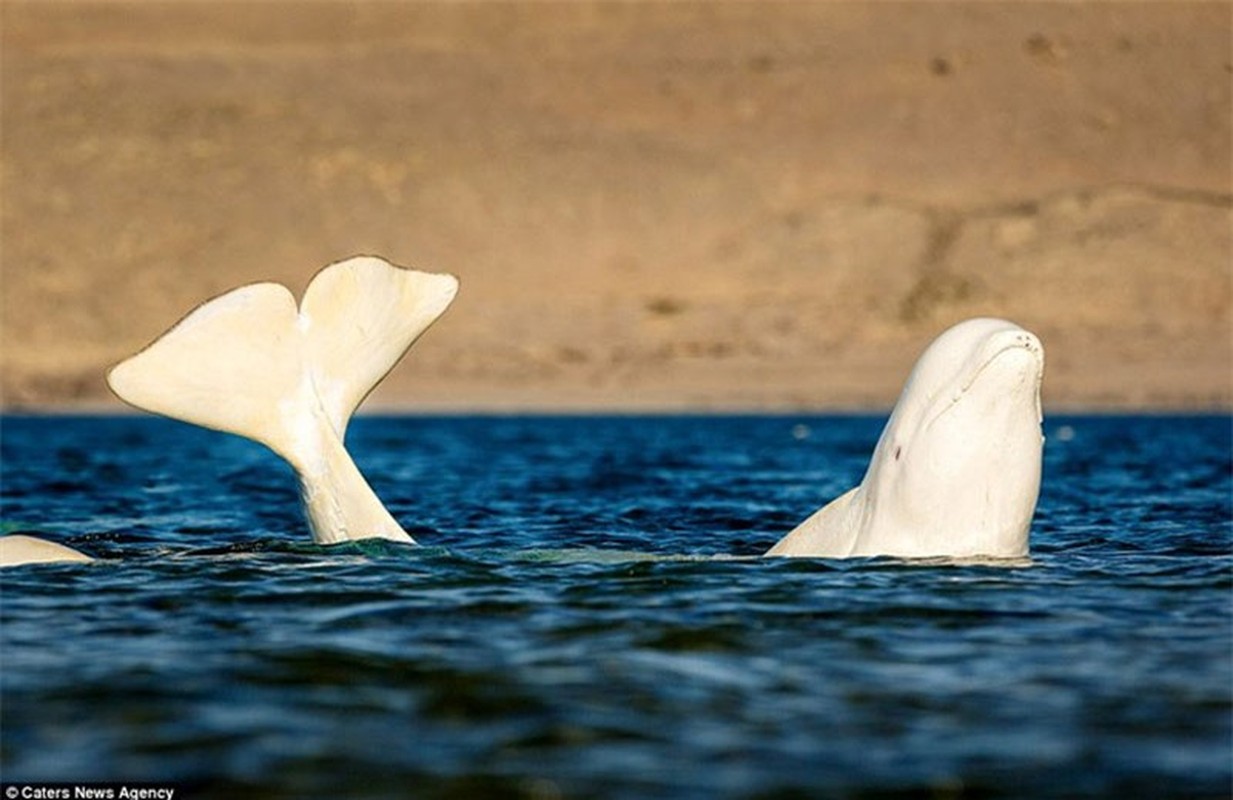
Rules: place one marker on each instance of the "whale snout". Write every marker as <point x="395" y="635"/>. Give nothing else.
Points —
<point x="1005" y="358"/>
<point x="1017" y="340"/>
<point x="1028" y="341"/>
<point x="1029" y="353"/>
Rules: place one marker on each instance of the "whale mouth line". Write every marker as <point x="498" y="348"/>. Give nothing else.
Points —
<point x="971" y="381"/>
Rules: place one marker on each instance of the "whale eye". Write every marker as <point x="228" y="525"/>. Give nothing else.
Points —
<point x="898" y="450"/>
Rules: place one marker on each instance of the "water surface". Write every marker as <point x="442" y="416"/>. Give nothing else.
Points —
<point x="587" y="617"/>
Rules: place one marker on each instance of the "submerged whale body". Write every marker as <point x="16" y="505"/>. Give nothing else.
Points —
<point x="17" y="548"/>
<point x="250" y="362"/>
<point x="956" y="472"/>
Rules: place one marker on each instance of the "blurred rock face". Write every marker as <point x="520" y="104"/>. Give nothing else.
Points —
<point x="649" y="205"/>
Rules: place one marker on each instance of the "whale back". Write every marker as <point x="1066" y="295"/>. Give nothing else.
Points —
<point x="830" y="532"/>
<point x="16" y="549"/>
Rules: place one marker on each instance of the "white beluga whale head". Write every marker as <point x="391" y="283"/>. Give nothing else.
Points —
<point x="956" y="472"/>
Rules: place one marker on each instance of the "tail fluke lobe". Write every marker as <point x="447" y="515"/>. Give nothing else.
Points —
<point x="250" y="363"/>
<point x="233" y="364"/>
<point x="359" y="317"/>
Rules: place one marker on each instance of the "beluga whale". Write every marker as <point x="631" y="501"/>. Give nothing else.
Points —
<point x="18" y="548"/>
<point x="956" y="471"/>
<point x="250" y="362"/>
<point x="253" y="363"/>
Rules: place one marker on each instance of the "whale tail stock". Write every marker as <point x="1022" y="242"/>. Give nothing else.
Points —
<point x="250" y="362"/>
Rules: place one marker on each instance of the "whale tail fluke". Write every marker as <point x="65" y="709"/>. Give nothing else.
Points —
<point x="250" y="362"/>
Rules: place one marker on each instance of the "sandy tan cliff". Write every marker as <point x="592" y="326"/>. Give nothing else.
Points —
<point x="649" y="205"/>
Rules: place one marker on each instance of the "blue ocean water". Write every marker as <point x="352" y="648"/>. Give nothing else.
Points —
<point x="575" y="624"/>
